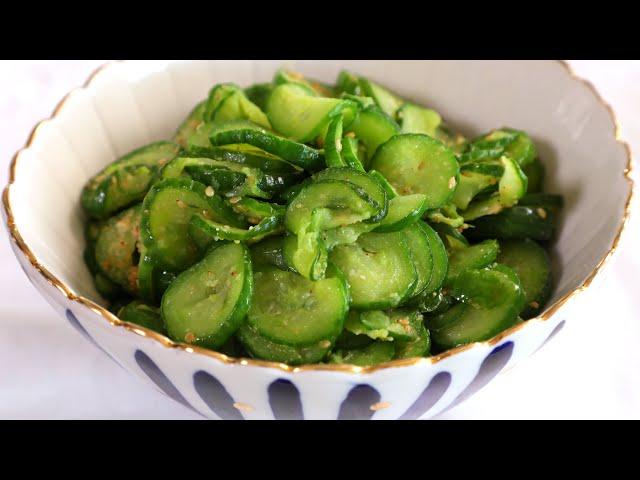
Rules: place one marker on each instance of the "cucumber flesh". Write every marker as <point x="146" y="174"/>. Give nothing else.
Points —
<point x="291" y="310"/>
<point x="476" y="256"/>
<point x="415" y="163"/>
<point x="206" y="304"/>
<point x="416" y="119"/>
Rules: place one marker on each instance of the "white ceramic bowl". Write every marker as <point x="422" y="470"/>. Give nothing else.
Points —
<point x="128" y="104"/>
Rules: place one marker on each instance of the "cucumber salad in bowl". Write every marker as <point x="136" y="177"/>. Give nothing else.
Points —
<point x="300" y="222"/>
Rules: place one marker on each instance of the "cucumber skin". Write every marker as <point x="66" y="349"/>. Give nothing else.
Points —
<point x="234" y="320"/>
<point x="541" y="296"/>
<point x="515" y="223"/>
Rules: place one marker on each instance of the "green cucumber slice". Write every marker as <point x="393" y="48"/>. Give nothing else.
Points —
<point x="370" y="185"/>
<point x="333" y="144"/>
<point x="127" y="180"/>
<point x="350" y="153"/>
<point x="420" y="251"/>
<point x="206" y="304"/>
<point x="378" y="268"/>
<point x="439" y="257"/>
<point x="532" y="265"/>
<point x="259" y="94"/>
<point x="415" y="163"/>
<point x="116" y="249"/>
<point x="403" y="211"/>
<point x="416" y="119"/>
<point x="337" y="203"/>
<point x="377" y="352"/>
<point x="473" y="257"/>
<point x="467" y="323"/>
<point x="265" y="349"/>
<point x="291" y="310"/>
<point x="166" y="216"/>
<point x="288" y="150"/>
<point x="236" y="106"/>
<point x="269" y="252"/>
<point x="516" y="223"/>
<point x="388" y="102"/>
<point x="302" y="117"/>
<point x="373" y="127"/>
<point x="188" y="127"/>
<point x="142" y="314"/>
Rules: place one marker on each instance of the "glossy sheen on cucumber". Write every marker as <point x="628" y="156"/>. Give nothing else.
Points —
<point x="206" y="304"/>
<point x="416" y="163"/>
<point x="532" y="265"/>
<point x="378" y="268"/>
<point x="291" y="310"/>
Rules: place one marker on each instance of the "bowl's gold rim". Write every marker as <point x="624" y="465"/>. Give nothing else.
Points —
<point x="165" y="341"/>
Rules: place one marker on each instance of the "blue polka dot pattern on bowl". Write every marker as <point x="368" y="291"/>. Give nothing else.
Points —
<point x="429" y="396"/>
<point x="151" y="369"/>
<point x="284" y="399"/>
<point x="357" y="405"/>
<point x="216" y="396"/>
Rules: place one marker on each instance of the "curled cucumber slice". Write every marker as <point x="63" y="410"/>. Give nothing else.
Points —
<point x="295" y="153"/>
<point x="206" y="304"/>
<point x="415" y="163"/>
<point x="234" y="105"/>
<point x="416" y="119"/>
<point x="473" y="257"/>
<point x="166" y="214"/>
<point x="127" y="180"/>
<point x="373" y="127"/>
<point x="301" y="116"/>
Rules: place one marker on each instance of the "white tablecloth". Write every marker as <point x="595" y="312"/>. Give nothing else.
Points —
<point x="591" y="370"/>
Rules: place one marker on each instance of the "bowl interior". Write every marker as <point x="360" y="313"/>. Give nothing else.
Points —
<point x="133" y="103"/>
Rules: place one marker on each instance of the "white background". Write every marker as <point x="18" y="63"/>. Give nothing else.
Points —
<point x="591" y="370"/>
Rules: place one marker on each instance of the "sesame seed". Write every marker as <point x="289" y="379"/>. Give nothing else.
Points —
<point x="452" y="182"/>
<point x="379" y="406"/>
<point x="534" y="304"/>
<point x="403" y="321"/>
<point x="190" y="337"/>
<point x="181" y="204"/>
<point x="209" y="191"/>
<point x="350" y="134"/>
<point x="542" y="213"/>
<point x="325" y="343"/>
<point x="234" y="200"/>
<point x="245" y="407"/>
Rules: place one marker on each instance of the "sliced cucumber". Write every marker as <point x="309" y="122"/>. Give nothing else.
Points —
<point x="306" y="253"/>
<point x="471" y="184"/>
<point x="288" y="150"/>
<point x="535" y="173"/>
<point x="259" y="94"/>
<point x="420" y="250"/>
<point x="269" y="252"/>
<point x="265" y="349"/>
<point x="291" y="310"/>
<point x="190" y="124"/>
<point x="439" y="258"/>
<point x="116" y="249"/>
<point x="411" y="338"/>
<point x="513" y="183"/>
<point x="377" y="352"/>
<point x="466" y="323"/>
<point x="333" y="144"/>
<point x="127" y="180"/>
<point x="235" y="106"/>
<point x="301" y="116"/>
<point x="142" y="314"/>
<point x="515" y="223"/>
<point x="388" y="102"/>
<point x="336" y="203"/>
<point x="373" y="127"/>
<point x="378" y="268"/>
<point x="206" y="304"/>
<point x="219" y="231"/>
<point x="415" y="163"/>
<point x="416" y="119"/>
<point x="476" y="256"/>
<point x="403" y="211"/>
<point x="452" y="238"/>
<point x="370" y="185"/>
<point x="350" y="153"/>
<point x="166" y="216"/>
<point x="532" y="265"/>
